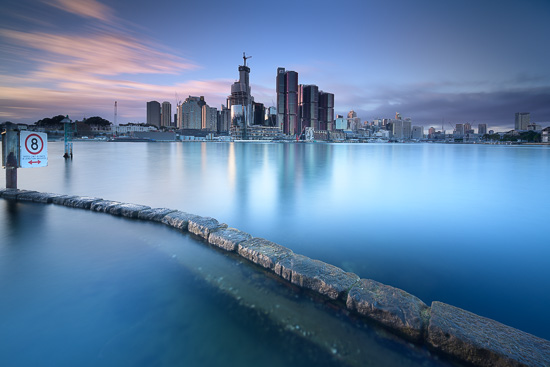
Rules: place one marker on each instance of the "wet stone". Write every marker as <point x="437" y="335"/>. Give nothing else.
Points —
<point x="263" y="252"/>
<point x="203" y="226"/>
<point x="228" y="238"/>
<point x="482" y="341"/>
<point x="155" y="214"/>
<point x="34" y="197"/>
<point x="82" y="202"/>
<point x="128" y="210"/>
<point x="60" y="200"/>
<point x="391" y="307"/>
<point x="178" y="219"/>
<point x="323" y="278"/>
<point x="13" y="194"/>
<point x="103" y="206"/>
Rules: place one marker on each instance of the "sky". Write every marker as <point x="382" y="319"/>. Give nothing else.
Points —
<point x="439" y="62"/>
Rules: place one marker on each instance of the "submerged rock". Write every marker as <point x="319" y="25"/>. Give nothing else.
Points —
<point x="203" y="226"/>
<point x="155" y="214"/>
<point x="263" y="252"/>
<point x="37" y="197"/>
<point x="178" y="219"/>
<point x="392" y="307"/>
<point x="14" y="194"/>
<point x="104" y="206"/>
<point x="228" y="238"/>
<point x="482" y="341"/>
<point x="323" y="278"/>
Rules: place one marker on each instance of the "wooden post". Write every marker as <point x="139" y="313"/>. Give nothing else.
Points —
<point x="10" y="154"/>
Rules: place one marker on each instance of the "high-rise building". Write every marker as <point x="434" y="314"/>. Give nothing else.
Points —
<point x="482" y="129"/>
<point x="326" y="111"/>
<point x="287" y="101"/>
<point x="459" y="130"/>
<point x="209" y="118"/>
<point x="308" y="107"/>
<point x="417" y="132"/>
<point x="166" y="114"/>
<point x="153" y="113"/>
<point x="271" y="116"/>
<point x="258" y="113"/>
<point x="431" y="132"/>
<point x="240" y="101"/>
<point x="224" y="119"/>
<point x="192" y="112"/>
<point x="354" y="122"/>
<point x="401" y="129"/>
<point x="522" y="120"/>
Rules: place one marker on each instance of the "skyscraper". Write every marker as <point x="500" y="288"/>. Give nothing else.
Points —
<point x="308" y="107"/>
<point x="153" y="113"/>
<point x="287" y="101"/>
<point x="326" y="111"/>
<point x="192" y="112"/>
<point x="240" y="101"/>
<point x="166" y="114"/>
<point x="522" y="120"/>
<point x="482" y="129"/>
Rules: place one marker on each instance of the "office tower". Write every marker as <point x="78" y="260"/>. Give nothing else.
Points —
<point x="192" y="112"/>
<point x="224" y="119"/>
<point x="482" y="129"/>
<point x="397" y="129"/>
<point x="308" y="107"/>
<point x="431" y="132"/>
<point x="468" y="128"/>
<point x="240" y="101"/>
<point x="459" y="130"/>
<point x="209" y="118"/>
<point x="258" y="113"/>
<point x="271" y="116"/>
<point x="326" y="111"/>
<point x="417" y="132"/>
<point x="287" y="101"/>
<point x="354" y="122"/>
<point x="522" y="120"/>
<point x="166" y="114"/>
<point x="153" y="113"/>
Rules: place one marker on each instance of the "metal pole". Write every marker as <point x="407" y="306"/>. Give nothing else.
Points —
<point x="10" y="150"/>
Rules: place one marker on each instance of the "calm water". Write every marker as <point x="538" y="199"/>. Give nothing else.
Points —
<point x="462" y="224"/>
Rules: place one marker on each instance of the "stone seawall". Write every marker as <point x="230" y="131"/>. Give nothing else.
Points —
<point x="443" y="328"/>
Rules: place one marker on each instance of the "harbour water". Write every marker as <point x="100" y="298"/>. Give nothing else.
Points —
<point x="461" y="224"/>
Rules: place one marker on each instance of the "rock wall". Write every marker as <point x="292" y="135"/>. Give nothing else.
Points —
<point x="443" y="328"/>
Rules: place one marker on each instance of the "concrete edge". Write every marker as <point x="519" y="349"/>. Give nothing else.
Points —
<point x="443" y="328"/>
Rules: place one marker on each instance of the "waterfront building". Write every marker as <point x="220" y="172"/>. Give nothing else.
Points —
<point x="308" y="105"/>
<point x="417" y="132"/>
<point x="153" y="113"/>
<point x="271" y="116"/>
<point x="354" y="122"/>
<point x="459" y="130"/>
<point x="287" y="101"/>
<point x="545" y="135"/>
<point x="522" y="120"/>
<point x="209" y="118"/>
<point x="482" y="129"/>
<point x="534" y="127"/>
<point x="468" y="128"/>
<point x="240" y="101"/>
<point x="326" y="110"/>
<point x="431" y="132"/>
<point x="224" y="119"/>
<point x="131" y="128"/>
<point x="340" y="123"/>
<point x="166" y="114"/>
<point x="401" y="129"/>
<point x="192" y="112"/>
<point x="258" y="112"/>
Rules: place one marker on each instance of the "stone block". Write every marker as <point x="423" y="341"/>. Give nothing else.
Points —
<point x="482" y="341"/>
<point x="154" y="214"/>
<point x="127" y="210"/>
<point x="29" y="196"/>
<point x="391" y="307"/>
<point x="60" y="200"/>
<point x="13" y="194"/>
<point x="178" y="219"/>
<point x="104" y="206"/>
<point x="228" y="238"/>
<point x="81" y="202"/>
<point x="263" y="252"/>
<point x="203" y="226"/>
<point x="323" y="278"/>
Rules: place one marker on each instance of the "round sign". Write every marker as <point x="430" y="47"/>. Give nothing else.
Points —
<point x="34" y="144"/>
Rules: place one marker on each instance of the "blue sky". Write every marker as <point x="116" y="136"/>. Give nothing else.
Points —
<point x="457" y="61"/>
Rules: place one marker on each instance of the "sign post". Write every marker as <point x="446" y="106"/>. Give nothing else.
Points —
<point x="34" y="149"/>
<point x="10" y="154"/>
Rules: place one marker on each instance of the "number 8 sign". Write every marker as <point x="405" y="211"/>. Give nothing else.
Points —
<point x="34" y="149"/>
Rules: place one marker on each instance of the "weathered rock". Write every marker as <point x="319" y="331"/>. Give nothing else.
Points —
<point x="154" y="214"/>
<point x="482" y="341"/>
<point x="13" y="194"/>
<point x="323" y="278"/>
<point x="178" y="219"/>
<point x="128" y="210"/>
<point x="228" y="238"/>
<point x="392" y="307"/>
<point x="30" y="196"/>
<point x="104" y="206"/>
<point x="203" y="226"/>
<point x="263" y="252"/>
<point x="39" y="197"/>
<point x="82" y="202"/>
<point x="60" y="200"/>
<point x="2" y="191"/>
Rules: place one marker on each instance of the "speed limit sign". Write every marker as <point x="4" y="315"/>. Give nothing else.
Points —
<point x="34" y="149"/>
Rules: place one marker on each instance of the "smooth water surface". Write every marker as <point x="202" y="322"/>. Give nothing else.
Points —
<point x="461" y="224"/>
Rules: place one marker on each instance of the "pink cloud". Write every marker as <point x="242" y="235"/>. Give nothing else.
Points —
<point x="84" y="8"/>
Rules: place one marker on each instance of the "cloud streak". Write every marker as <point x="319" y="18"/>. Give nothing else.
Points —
<point x="84" y="8"/>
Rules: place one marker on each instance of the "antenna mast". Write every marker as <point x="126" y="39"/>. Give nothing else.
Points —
<point x="115" y="112"/>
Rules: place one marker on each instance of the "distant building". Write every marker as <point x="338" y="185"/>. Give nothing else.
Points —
<point x="308" y="105"/>
<point x="522" y="121"/>
<point x="271" y="116"/>
<point x="192" y="112"/>
<point x="326" y="110"/>
<point x="482" y="129"/>
<point x="209" y="118"/>
<point x="431" y="132"/>
<point x="258" y="113"/>
<point x="224" y="119"/>
<point x="240" y="101"/>
<point x="166" y="114"/>
<point x="401" y="129"/>
<point x="340" y="123"/>
<point x="153" y="113"/>
<point x="545" y="135"/>
<point x="287" y="101"/>
<point x="459" y="130"/>
<point x="417" y="132"/>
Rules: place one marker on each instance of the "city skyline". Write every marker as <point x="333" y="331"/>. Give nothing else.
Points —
<point x="458" y="63"/>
